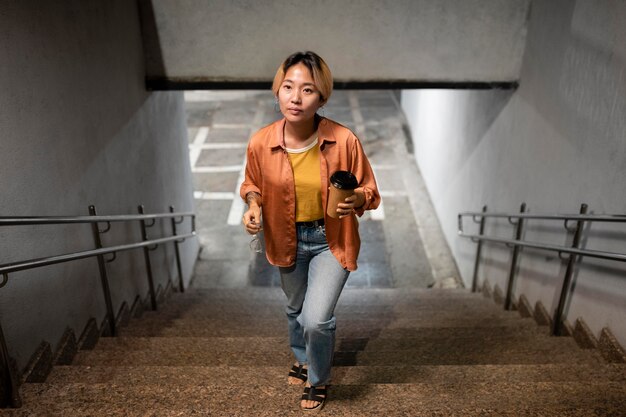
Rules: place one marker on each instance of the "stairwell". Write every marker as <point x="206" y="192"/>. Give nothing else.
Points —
<point x="400" y="352"/>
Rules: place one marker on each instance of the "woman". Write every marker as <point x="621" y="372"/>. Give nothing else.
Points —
<point x="287" y="177"/>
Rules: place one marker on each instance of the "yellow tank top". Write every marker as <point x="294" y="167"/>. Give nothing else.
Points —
<point x="307" y="177"/>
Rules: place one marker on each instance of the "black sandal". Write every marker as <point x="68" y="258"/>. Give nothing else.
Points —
<point x="317" y="394"/>
<point x="299" y="372"/>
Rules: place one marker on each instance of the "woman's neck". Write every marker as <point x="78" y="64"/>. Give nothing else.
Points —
<point x="297" y="134"/>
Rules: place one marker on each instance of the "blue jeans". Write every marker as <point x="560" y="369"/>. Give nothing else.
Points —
<point x="312" y="286"/>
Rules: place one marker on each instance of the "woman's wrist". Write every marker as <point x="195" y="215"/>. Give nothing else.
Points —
<point x="253" y="198"/>
<point x="360" y="199"/>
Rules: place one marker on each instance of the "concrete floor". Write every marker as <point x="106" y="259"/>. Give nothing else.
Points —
<point x="402" y="241"/>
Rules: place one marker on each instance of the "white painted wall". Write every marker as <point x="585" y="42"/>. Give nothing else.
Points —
<point x="78" y="128"/>
<point x="557" y="142"/>
<point x="395" y="40"/>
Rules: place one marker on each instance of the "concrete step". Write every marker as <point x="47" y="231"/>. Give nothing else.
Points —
<point x="370" y="296"/>
<point x="343" y="320"/>
<point x="342" y="375"/>
<point x="504" y="398"/>
<point x="467" y="338"/>
<point x="433" y="355"/>
<point x="409" y="357"/>
<point x="232" y="300"/>
<point x="478" y="373"/>
<point x="479" y="310"/>
<point x="353" y="331"/>
<point x="200" y="357"/>
<point x="349" y="332"/>
<point x="478" y="337"/>
<point x="269" y="353"/>
<point x="267" y="326"/>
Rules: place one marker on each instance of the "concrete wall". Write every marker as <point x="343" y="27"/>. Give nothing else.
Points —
<point x="557" y="142"/>
<point x="78" y="128"/>
<point x="362" y="40"/>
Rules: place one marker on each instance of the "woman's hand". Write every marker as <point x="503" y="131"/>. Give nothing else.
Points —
<point x="252" y="219"/>
<point x="350" y="203"/>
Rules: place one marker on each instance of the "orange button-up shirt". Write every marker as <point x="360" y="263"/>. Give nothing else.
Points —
<point x="269" y="173"/>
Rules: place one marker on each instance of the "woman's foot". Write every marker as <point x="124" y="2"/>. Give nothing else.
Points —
<point x="313" y="398"/>
<point x="297" y="374"/>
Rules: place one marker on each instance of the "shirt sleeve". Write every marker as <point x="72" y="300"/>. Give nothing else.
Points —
<point x="362" y="169"/>
<point x="252" y="181"/>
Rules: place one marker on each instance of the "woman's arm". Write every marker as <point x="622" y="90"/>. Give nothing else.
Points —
<point x="251" y="193"/>
<point x="252" y="217"/>
<point x="367" y="196"/>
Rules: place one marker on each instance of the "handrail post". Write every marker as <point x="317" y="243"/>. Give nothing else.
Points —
<point x="146" y="254"/>
<point x="10" y="394"/>
<point x="104" y="279"/>
<point x="481" y="231"/>
<point x="516" y="248"/>
<point x="179" y="268"/>
<point x="557" y="320"/>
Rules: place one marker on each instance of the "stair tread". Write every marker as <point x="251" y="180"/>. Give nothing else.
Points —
<point x="252" y="399"/>
<point x="385" y="341"/>
<point x="389" y="322"/>
<point x="353" y="311"/>
<point x="342" y="375"/>
<point x="372" y="296"/>
<point x="434" y="341"/>
<point x="268" y="292"/>
<point x="368" y="330"/>
<point x="377" y="296"/>
<point x="341" y="358"/>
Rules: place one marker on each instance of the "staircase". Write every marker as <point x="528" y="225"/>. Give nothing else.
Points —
<point x="400" y="352"/>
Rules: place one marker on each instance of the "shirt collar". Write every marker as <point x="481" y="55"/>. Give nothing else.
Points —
<point x="324" y="132"/>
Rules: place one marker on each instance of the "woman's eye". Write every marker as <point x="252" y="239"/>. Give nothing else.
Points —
<point x="308" y="90"/>
<point x="287" y="87"/>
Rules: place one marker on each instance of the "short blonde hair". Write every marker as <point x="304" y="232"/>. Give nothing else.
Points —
<point x="322" y="77"/>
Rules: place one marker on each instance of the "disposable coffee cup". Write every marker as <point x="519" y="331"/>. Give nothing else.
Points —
<point x="342" y="185"/>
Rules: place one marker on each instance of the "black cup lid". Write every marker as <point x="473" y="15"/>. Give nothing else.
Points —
<point x="344" y="180"/>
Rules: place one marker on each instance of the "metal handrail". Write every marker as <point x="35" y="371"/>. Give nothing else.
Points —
<point x="613" y="256"/>
<point x="576" y="217"/>
<point x="9" y="390"/>
<point x="517" y="243"/>
<point x="51" y="260"/>
<point x="23" y="221"/>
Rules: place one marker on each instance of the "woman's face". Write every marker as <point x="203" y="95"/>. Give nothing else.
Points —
<point x="298" y="96"/>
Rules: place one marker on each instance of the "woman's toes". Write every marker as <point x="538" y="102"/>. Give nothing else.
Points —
<point x="318" y="393"/>
<point x="309" y="404"/>
<point x="301" y="370"/>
